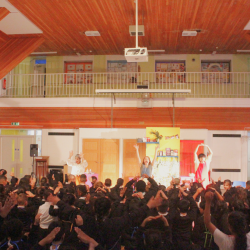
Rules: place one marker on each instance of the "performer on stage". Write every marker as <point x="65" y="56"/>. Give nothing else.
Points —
<point x="78" y="166"/>
<point x="146" y="167"/>
<point x="202" y="164"/>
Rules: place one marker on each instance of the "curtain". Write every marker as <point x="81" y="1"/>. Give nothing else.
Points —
<point x="187" y="148"/>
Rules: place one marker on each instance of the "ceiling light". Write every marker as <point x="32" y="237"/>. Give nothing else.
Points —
<point x="90" y="51"/>
<point x="200" y="49"/>
<point x="92" y="33"/>
<point x="43" y="53"/>
<point x="243" y="50"/>
<point x="156" y="50"/>
<point x="213" y="53"/>
<point x="189" y="33"/>
<point x="78" y="54"/>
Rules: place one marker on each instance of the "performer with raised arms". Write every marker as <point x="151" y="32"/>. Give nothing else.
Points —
<point x="78" y="165"/>
<point x="146" y="167"/>
<point x="202" y="165"/>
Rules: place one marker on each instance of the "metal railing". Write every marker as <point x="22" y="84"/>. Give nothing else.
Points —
<point x="201" y="84"/>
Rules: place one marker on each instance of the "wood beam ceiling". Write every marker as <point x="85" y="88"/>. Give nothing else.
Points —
<point x="188" y="118"/>
<point x="15" y="50"/>
<point x="3" y="12"/>
<point x="63" y="23"/>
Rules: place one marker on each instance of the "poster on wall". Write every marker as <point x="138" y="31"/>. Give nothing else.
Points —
<point x="170" y="72"/>
<point x="127" y="71"/>
<point x="212" y="69"/>
<point x="167" y="164"/>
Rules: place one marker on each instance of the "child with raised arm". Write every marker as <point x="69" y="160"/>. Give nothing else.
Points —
<point x="78" y="166"/>
<point x="146" y="166"/>
<point x="202" y="165"/>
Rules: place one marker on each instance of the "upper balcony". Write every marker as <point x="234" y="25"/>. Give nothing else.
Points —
<point x="201" y="84"/>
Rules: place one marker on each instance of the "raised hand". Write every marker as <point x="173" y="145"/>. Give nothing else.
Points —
<point x="79" y="220"/>
<point x="8" y="205"/>
<point x="145" y="176"/>
<point x="82" y="156"/>
<point x="136" y="147"/>
<point x="209" y="196"/>
<point x="85" y="238"/>
<point x="123" y="191"/>
<point x="149" y="218"/>
<point x="70" y="154"/>
<point x="29" y="194"/>
<point x="50" y="237"/>
<point x="154" y="201"/>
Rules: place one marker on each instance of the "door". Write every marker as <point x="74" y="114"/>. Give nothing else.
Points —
<point x="91" y="150"/>
<point x="15" y="155"/>
<point x="8" y="155"/>
<point x="23" y="160"/>
<point x="131" y="167"/>
<point x="102" y="156"/>
<point x="39" y="79"/>
<point x="110" y="159"/>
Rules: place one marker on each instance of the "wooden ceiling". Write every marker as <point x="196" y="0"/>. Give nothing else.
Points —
<point x="188" y="118"/>
<point x="63" y="23"/>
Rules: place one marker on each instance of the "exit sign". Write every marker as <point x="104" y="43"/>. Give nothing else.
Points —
<point x="15" y="123"/>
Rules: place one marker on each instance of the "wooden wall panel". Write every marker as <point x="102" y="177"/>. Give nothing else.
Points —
<point x="200" y="118"/>
<point x="220" y="25"/>
<point x="131" y="168"/>
<point x="15" y="50"/>
<point x="3" y="12"/>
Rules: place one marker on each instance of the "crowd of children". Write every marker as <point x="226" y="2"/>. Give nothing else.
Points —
<point x="135" y="215"/>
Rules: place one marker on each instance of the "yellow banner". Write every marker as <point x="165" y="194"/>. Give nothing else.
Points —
<point x="21" y="170"/>
<point x="21" y="150"/>
<point x="13" y="150"/>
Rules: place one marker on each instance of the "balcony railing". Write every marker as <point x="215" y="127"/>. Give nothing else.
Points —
<point x="208" y="85"/>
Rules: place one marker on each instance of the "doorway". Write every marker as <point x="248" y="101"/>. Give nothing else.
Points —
<point x="102" y="156"/>
<point x="15" y="155"/>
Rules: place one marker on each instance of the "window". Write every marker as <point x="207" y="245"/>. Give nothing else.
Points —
<point x="170" y="71"/>
<point x="215" y="71"/>
<point x="127" y="72"/>
<point x="77" y="72"/>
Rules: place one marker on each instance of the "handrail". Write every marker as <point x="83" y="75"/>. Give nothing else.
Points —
<point x="202" y="84"/>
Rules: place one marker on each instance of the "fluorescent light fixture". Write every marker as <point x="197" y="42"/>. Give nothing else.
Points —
<point x="243" y="50"/>
<point x="189" y="33"/>
<point x="247" y="27"/>
<point x="143" y="91"/>
<point x="92" y="33"/>
<point x="43" y="53"/>
<point x="156" y="50"/>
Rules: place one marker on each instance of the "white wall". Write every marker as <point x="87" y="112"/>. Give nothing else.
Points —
<point x="228" y="152"/>
<point x="57" y="147"/>
<point x="123" y="102"/>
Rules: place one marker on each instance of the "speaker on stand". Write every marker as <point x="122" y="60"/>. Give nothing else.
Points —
<point x="33" y="153"/>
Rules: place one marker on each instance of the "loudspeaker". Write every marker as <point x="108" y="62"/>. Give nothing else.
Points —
<point x="33" y="150"/>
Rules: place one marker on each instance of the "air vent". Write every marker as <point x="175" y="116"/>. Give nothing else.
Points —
<point x="132" y="30"/>
<point x="92" y="33"/>
<point x="189" y="33"/>
<point x="61" y="133"/>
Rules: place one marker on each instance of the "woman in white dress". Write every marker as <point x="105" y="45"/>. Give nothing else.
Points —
<point x="78" y="165"/>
